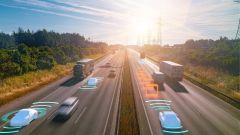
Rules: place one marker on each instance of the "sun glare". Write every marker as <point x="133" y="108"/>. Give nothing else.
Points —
<point x="142" y="26"/>
<point x="151" y="18"/>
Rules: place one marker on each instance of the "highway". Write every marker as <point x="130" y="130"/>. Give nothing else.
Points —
<point x="201" y="113"/>
<point x="97" y="110"/>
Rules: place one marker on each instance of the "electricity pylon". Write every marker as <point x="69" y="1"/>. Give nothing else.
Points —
<point x="159" y="32"/>
<point x="238" y="31"/>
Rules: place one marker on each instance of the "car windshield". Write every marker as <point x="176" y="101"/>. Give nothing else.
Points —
<point x="22" y="114"/>
<point x="171" y="117"/>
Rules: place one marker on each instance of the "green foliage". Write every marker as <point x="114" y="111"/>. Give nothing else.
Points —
<point x="10" y="68"/>
<point x="46" y="38"/>
<point x="60" y="56"/>
<point x="214" y="63"/>
<point x="26" y="51"/>
<point x="6" y="41"/>
<point x="45" y="61"/>
<point x="222" y="54"/>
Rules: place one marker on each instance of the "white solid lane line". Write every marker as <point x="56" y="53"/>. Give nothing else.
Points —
<point x="80" y="115"/>
<point x="115" y="89"/>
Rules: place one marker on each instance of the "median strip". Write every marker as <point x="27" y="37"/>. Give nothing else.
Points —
<point x="128" y="115"/>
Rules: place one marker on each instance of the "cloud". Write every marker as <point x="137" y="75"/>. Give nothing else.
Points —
<point x="181" y="19"/>
<point x="60" y="14"/>
<point x="67" y="6"/>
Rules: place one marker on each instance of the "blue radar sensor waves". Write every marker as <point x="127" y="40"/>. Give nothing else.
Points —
<point x="40" y="107"/>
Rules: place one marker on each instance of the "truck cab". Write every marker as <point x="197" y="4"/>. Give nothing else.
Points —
<point x="158" y="77"/>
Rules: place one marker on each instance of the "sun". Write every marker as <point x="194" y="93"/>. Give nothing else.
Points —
<point x="146" y="20"/>
<point x="142" y="27"/>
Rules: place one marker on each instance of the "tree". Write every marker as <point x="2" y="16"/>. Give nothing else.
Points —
<point x="59" y="56"/>
<point x="45" y="61"/>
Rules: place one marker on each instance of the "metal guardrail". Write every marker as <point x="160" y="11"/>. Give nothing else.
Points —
<point x="211" y="90"/>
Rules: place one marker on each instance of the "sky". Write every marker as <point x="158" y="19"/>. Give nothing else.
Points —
<point x="125" y="21"/>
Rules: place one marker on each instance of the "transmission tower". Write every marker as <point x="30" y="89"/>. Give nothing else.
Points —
<point x="238" y="31"/>
<point x="159" y="33"/>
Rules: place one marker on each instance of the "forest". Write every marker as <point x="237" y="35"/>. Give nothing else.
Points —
<point x="25" y="51"/>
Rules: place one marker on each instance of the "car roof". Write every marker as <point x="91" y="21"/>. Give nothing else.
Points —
<point x="84" y="60"/>
<point x="69" y="101"/>
<point x="172" y="63"/>
<point x="157" y="72"/>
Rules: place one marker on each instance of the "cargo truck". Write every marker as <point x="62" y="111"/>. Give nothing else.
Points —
<point x="172" y="70"/>
<point x="83" y="68"/>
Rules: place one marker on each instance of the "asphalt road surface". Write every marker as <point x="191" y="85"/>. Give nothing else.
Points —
<point x="201" y="113"/>
<point x="97" y="110"/>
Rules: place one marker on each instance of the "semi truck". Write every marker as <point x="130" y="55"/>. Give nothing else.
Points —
<point x="172" y="70"/>
<point x="83" y="68"/>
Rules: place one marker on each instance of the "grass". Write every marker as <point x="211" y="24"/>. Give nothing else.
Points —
<point x="222" y="82"/>
<point x="128" y="116"/>
<point x="17" y="86"/>
<point x="14" y="87"/>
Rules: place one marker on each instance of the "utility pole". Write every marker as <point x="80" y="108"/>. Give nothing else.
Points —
<point x="238" y="31"/>
<point x="159" y="33"/>
<point x="138" y="40"/>
<point x="149" y="38"/>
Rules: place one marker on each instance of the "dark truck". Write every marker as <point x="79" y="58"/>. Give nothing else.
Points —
<point x="83" y="68"/>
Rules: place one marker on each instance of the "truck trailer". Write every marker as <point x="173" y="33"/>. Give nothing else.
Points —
<point x="172" y="70"/>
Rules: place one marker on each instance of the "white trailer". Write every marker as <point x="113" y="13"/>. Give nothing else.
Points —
<point x="172" y="70"/>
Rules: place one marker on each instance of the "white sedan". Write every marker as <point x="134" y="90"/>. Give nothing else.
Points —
<point x="169" y="120"/>
<point x="23" y="117"/>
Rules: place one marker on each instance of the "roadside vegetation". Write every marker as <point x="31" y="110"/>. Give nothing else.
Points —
<point x="29" y="60"/>
<point x="128" y="115"/>
<point x="16" y="86"/>
<point x="214" y="63"/>
<point x="26" y="51"/>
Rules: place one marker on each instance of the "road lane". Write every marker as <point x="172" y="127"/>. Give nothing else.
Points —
<point x="63" y="88"/>
<point x="96" y="105"/>
<point x="200" y="112"/>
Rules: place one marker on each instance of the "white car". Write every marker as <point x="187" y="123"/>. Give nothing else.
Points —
<point x="92" y="82"/>
<point x="169" y="120"/>
<point x="23" y="117"/>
